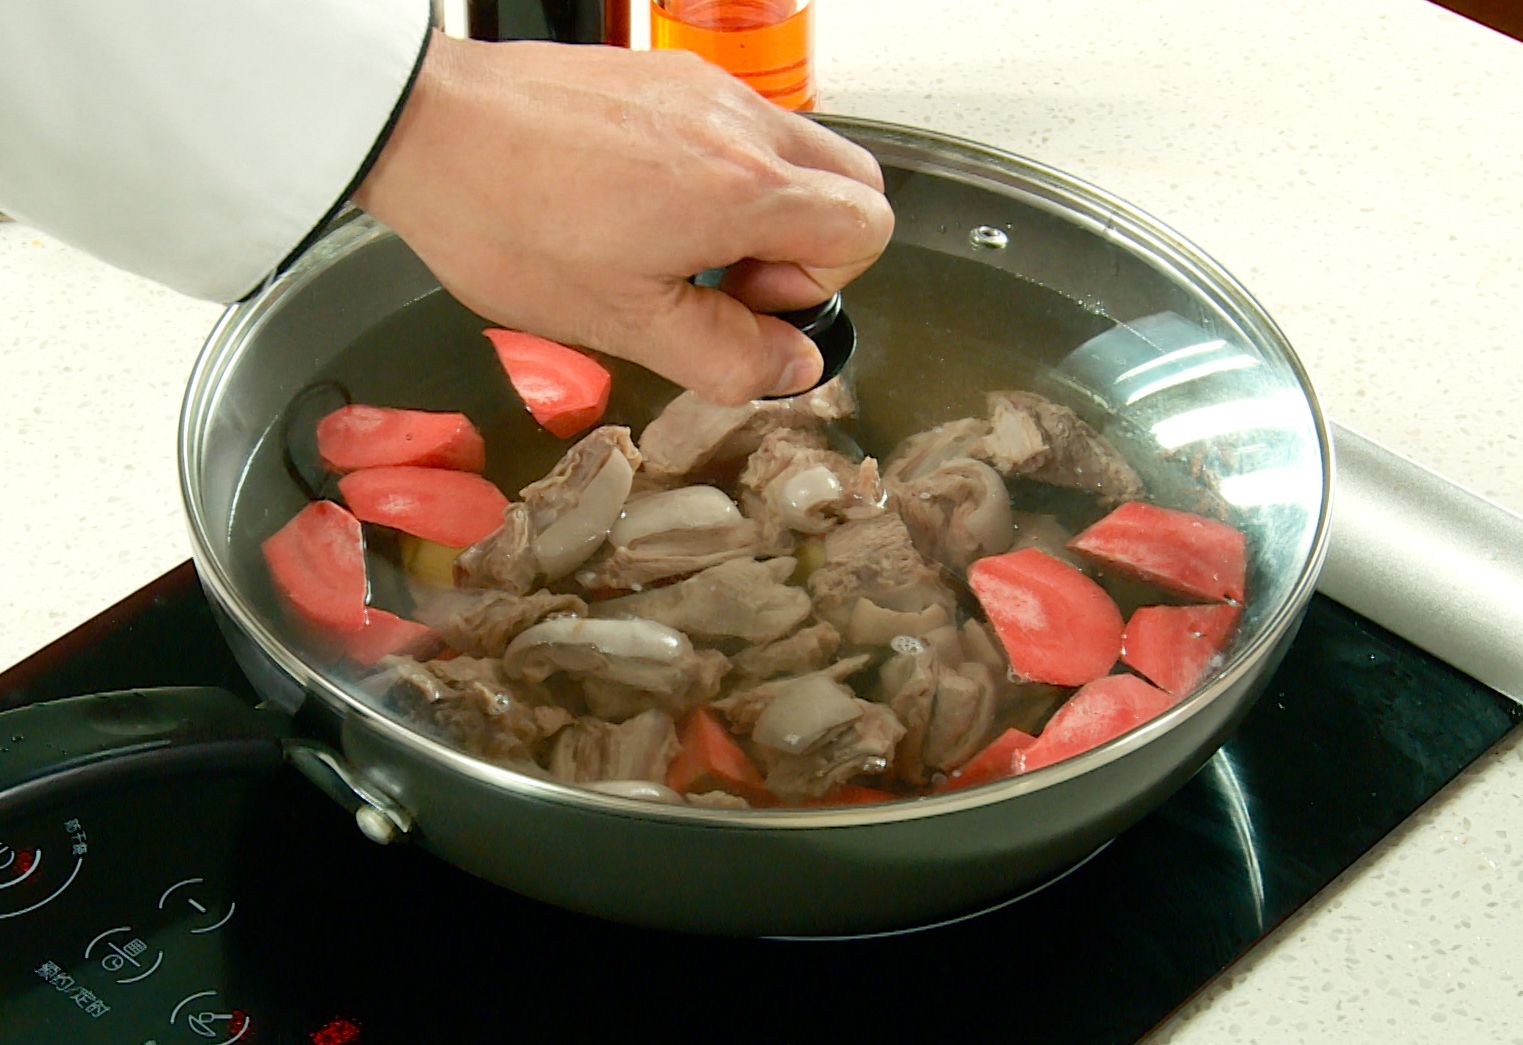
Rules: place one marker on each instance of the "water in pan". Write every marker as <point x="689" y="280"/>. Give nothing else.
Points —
<point x="936" y="333"/>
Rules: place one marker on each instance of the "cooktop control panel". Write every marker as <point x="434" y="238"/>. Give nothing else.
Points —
<point x="151" y="914"/>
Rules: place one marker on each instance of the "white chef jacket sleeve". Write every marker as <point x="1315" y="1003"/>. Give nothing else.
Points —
<point x="196" y="142"/>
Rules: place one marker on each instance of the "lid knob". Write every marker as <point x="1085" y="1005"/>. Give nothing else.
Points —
<point x="832" y="332"/>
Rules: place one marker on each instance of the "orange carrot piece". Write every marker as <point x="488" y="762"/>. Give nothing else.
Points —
<point x="317" y="562"/>
<point x="1101" y="711"/>
<point x="565" y="390"/>
<point x="710" y="760"/>
<point x="451" y="508"/>
<point x="358" y="436"/>
<point x="1000" y="759"/>
<point x="1056" y="624"/>
<point x="1180" y="551"/>
<point x="1174" y="645"/>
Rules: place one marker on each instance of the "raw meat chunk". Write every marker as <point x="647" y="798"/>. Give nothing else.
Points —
<point x="692" y="432"/>
<point x="1076" y="455"/>
<point x="741" y="599"/>
<point x="874" y="559"/>
<point x="921" y="454"/>
<point x="945" y="697"/>
<point x="743" y="708"/>
<point x="638" y="749"/>
<point x="808" y="649"/>
<point x="957" y="513"/>
<point x="865" y="746"/>
<point x="810" y="733"/>
<point x="674" y="533"/>
<point x="573" y="508"/>
<point x="483" y="623"/>
<point x="792" y="482"/>
<point x="504" y="559"/>
<point x="473" y="702"/>
<point x="624" y="666"/>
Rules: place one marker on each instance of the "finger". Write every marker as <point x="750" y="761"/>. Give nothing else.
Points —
<point x="805" y="143"/>
<point x="820" y="220"/>
<point x="710" y="342"/>
<point x="774" y="286"/>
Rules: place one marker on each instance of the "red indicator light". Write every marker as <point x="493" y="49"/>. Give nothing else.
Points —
<point x="336" y="1031"/>
<point x="24" y="861"/>
<point x="237" y="1020"/>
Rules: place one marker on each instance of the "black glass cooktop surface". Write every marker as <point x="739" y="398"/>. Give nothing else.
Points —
<point x="232" y="902"/>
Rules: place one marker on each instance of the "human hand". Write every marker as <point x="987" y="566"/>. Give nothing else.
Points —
<point x="571" y="191"/>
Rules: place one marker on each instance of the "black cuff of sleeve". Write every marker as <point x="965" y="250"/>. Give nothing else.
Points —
<point x="360" y="175"/>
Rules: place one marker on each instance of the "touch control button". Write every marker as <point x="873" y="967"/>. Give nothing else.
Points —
<point x="118" y="954"/>
<point x="189" y="896"/>
<point x="200" y="1014"/>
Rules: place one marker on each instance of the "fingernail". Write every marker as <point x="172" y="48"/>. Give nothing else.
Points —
<point x="800" y="374"/>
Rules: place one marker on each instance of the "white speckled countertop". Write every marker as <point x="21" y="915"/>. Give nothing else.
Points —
<point x="1357" y="164"/>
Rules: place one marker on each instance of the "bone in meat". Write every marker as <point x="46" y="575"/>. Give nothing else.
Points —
<point x="591" y="750"/>
<point x="1077" y="456"/>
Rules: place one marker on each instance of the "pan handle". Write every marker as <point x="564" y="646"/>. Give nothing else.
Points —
<point x="380" y="818"/>
<point x="56" y="747"/>
<point x="60" y="747"/>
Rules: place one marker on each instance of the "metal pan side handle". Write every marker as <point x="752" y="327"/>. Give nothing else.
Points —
<point x="379" y="817"/>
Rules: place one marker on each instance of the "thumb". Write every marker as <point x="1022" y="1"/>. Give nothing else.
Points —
<point x="711" y="343"/>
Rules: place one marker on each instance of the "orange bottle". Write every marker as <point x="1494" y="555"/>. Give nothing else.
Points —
<point x="767" y="43"/>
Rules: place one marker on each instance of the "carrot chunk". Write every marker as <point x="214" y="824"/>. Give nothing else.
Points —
<point x="1101" y="711"/>
<point x="710" y="760"/>
<point x="1056" y="624"/>
<point x="565" y="390"/>
<point x="451" y="508"/>
<point x="356" y="436"/>
<point x="1180" y="551"/>
<point x="1174" y="645"/>
<point x="385" y="633"/>
<point x="1000" y="759"/>
<point x="317" y="562"/>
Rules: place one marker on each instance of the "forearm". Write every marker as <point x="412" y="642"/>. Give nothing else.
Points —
<point x="193" y="142"/>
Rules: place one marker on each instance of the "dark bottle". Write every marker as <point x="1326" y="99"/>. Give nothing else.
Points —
<point x="564" y="21"/>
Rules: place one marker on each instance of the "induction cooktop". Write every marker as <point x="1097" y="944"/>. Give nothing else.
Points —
<point x="208" y="894"/>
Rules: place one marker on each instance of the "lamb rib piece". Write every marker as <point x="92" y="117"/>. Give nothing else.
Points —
<point x="624" y="666"/>
<point x="874" y="559"/>
<point x="1076" y="456"/>
<point x="591" y="750"/>
<point x="741" y="599"/>
<point x="474" y="704"/>
<point x="693" y="432"/>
